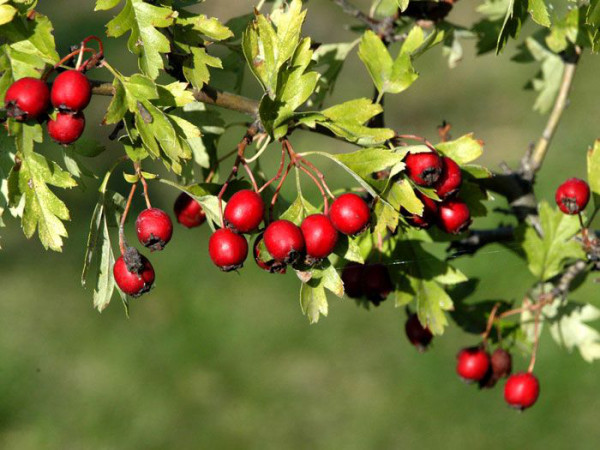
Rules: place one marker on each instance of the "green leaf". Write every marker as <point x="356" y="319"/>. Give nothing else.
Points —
<point x="547" y="256"/>
<point x="402" y="195"/>
<point x="211" y="27"/>
<point x="332" y="281"/>
<point x="332" y="58"/>
<point x="462" y="150"/>
<point x="366" y="161"/>
<point x="313" y="301"/>
<point x="391" y="76"/>
<point x="539" y="12"/>
<point x="143" y="21"/>
<point x="7" y="13"/>
<point x="568" y="327"/>
<point x="516" y="13"/>
<point x="593" y="170"/>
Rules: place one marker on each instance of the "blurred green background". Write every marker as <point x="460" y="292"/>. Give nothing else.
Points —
<point x="213" y="360"/>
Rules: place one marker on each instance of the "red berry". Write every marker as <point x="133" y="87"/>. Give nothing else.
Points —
<point x="454" y="216"/>
<point x="188" y="211"/>
<point x="71" y="91"/>
<point x="417" y="334"/>
<point x="423" y="168"/>
<point x="66" y="128"/>
<point x="352" y="276"/>
<point x="134" y="281"/>
<point x="154" y="228"/>
<point x="270" y="265"/>
<point x="350" y="214"/>
<point x="450" y="180"/>
<point x="244" y="211"/>
<point x="377" y="283"/>
<point x="521" y="390"/>
<point x="572" y="196"/>
<point x="472" y="364"/>
<point x="27" y="98"/>
<point x="427" y="218"/>
<point x="319" y="234"/>
<point x="284" y="241"/>
<point x="228" y="250"/>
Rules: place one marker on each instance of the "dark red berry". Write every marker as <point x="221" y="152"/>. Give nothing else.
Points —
<point x="454" y="216"/>
<point x="429" y="215"/>
<point x="134" y="281"/>
<point x="320" y="236"/>
<point x="154" y="228"/>
<point x="500" y="367"/>
<point x="66" y="128"/>
<point x="572" y="196"/>
<point x="228" y="250"/>
<point x="350" y="214"/>
<point x="417" y="334"/>
<point x="352" y="276"/>
<point x="472" y="363"/>
<point x="377" y="283"/>
<point x="244" y="211"/>
<point x="27" y="98"/>
<point x="521" y="390"/>
<point x="71" y="91"/>
<point x="423" y="168"/>
<point x="450" y="180"/>
<point x="284" y="241"/>
<point x="268" y="264"/>
<point x="188" y="211"/>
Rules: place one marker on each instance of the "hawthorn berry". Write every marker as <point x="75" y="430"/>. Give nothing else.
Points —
<point x="450" y="180"/>
<point x="500" y="367"/>
<point x="133" y="273"/>
<point x="472" y="363"/>
<point x="188" y="211"/>
<point x="27" y="98"/>
<point x="228" y="250"/>
<point x="71" y="91"/>
<point x="350" y="214"/>
<point x="320" y="236"/>
<point x="154" y="228"/>
<point x="572" y="196"/>
<point x="423" y="168"/>
<point x="270" y="265"/>
<point x="352" y="277"/>
<point x="244" y="211"/>
<point x="417" y="334"/>
<point x="284" y="241"/>
<point x="454" y="216"/>
<point x="521" y="390"/>
<point x="377" y="283"/>
<point x="427" y="218"/>
<point x="67" y="127"/>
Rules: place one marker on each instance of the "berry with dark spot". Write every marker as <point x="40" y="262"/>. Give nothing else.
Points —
<point x="27" y="98"/>
<point x="572" y="196"/>
<point x="66" y="128"/>
<point x="154" y="228"/>
<point x="135" y="278"/>
<point x="71" y="91"/>
<point x="266" y="263"/>
<point x="227" y="250"/>
<point x="284" y="241"/>
<point x="423" y="168"/>
<point x="244" y="211"/>
<point x="454" y="216"/>
<point x="450" y="180"/>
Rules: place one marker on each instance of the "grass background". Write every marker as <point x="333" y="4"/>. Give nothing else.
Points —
<point x="213" y="360"/>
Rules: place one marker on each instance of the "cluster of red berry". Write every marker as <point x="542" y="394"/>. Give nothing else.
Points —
<point x="30" y="98"/>
<point x="428" y="169"/>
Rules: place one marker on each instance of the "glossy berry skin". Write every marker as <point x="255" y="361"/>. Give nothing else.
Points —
<point x="320" y="236"/>
<point x="227" y="250"/>
<point x="71" y="91"/>
<point x="450" y="180"/>
<point x="27" y="98"/>
<point x="244" y="211"/>
<point x="429" y="216"/>
<point x="521" y="390"/>
<point x="131" y="283"/>
<point x="350" y="214"/>
<point x="572" y="196"/>
<point x="270" y="265"/>
<point x="284" y="241"/>
<point x="188" y="211"/>
<point x="66" y="128"/>
<point x="454" y="216"/>
<point x="352" y="276"/>
<point x="377" y="283"/>
<point x="472" y="363"/>
<point x="423" y="168"/>
<point x="154" y="228"/>
<point x="417" y="334"/>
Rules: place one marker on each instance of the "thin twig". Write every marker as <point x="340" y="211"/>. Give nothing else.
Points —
<point x="122" y="243"/>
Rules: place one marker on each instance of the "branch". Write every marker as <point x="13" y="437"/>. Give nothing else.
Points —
<point x="207" y="94"/>
<point x="564" y="284"/>
<point x="353" y="11"/>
